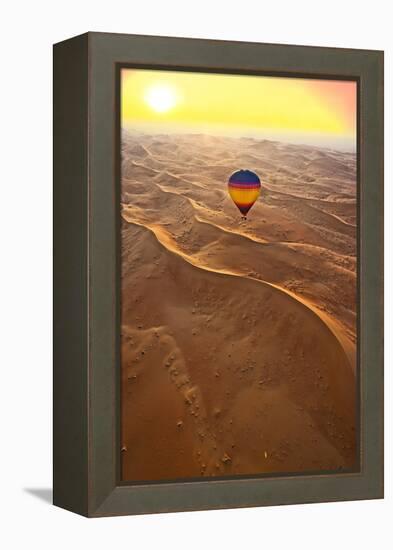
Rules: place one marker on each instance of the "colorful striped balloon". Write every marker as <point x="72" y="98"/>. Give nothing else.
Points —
<point x="244" y="187"/>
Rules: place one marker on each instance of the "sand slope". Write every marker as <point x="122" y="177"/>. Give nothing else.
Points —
<point x="237" y="338"/>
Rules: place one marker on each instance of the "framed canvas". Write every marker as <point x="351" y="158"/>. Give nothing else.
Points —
<point x="218" y="274"/>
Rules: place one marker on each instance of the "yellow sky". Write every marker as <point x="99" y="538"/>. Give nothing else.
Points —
<point x="237" y="103"/>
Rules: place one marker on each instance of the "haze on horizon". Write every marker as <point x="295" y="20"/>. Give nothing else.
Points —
<point x="316" y="112"/>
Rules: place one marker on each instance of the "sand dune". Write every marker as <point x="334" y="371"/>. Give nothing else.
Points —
<point x="238" y="338"/>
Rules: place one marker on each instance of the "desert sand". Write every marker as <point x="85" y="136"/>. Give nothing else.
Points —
<point x="238" y="337"/>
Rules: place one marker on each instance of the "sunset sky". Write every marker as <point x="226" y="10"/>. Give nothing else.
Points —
<point x="296" y="110"/>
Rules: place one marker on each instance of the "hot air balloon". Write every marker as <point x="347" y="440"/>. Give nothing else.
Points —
<point x="244" y="187"/>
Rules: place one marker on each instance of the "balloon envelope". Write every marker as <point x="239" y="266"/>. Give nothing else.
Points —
<point x="244" y="187"/>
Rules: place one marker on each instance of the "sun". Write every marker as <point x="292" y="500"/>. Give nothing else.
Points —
<point x="161" y="98"/>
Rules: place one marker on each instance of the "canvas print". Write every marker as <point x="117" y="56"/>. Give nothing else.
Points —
<point x="238" y="275"/>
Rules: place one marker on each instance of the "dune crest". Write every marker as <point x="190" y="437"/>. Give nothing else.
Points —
<point x="238" y="339"/>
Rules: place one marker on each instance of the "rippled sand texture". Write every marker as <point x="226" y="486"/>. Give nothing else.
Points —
<point x="238" y="338"/>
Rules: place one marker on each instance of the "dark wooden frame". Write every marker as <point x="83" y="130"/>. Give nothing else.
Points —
<point x="86" y="303"/>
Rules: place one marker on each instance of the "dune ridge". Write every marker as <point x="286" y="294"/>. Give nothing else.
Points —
<point x="170" y="245"/>
<point x="238" y="339"/>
